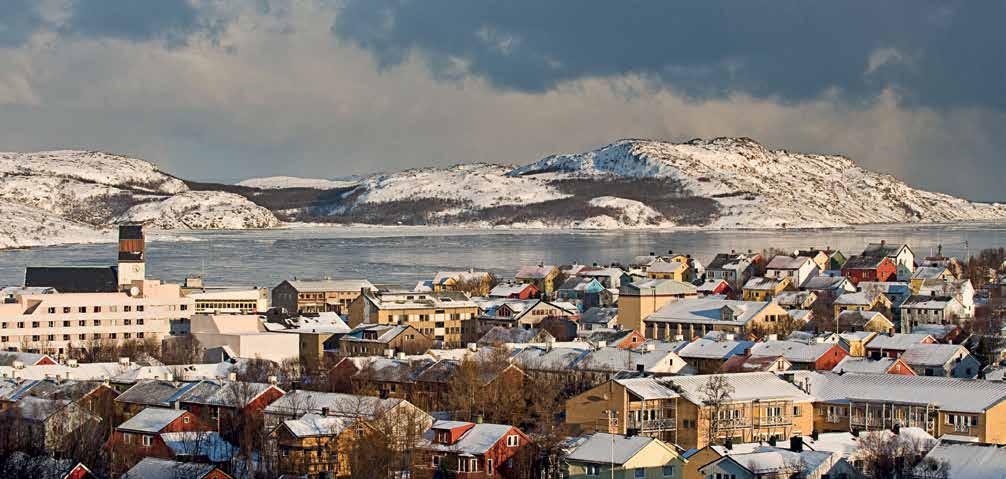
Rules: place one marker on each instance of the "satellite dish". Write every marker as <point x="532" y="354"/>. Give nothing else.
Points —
<point x="134" y="291"/>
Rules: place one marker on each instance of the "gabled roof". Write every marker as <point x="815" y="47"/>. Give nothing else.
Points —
<point x="850" y="364"/>
<point x="478" y="439"/>
<point x="931" y="354"/>
<point x="707" y="310"/>
<point x="965" y="460"/>
<point x="951" y="394"/>
<point x="151" y="420"/>
<point x="599" y="315"/>
<point x="603" y="448"/>
<point x="199" y="443"/>
<point x="788" y="263"/>
<point x="793" y="351"/>
<point x="324" y="285"/>
<point x="535" y="272"/>
<point x="824" y="283"/>
<point x="504" y="335"/>
<point x="897" y="341"/>
<point x="647" y="388"/>
<point x="505" y="290"/>
<point x="314" y="425"/>
<point x="155" y="393"/>
<point x="883" y="249"/>
<point x="864" y="262"/>
<point x="929" y="272"/>
<point x="296" y="403"/>
<point x="152" y="468"/>
<point x="666" y="267"/>
<point x="704" y="348"/>
<point x="855" y="299"/>
<point x="747" y="387"/>
<point x="657" y="286"/>
<point x="928" y="302"/>
<point x="759" y="283"/>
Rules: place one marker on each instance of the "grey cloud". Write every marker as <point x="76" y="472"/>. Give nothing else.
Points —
<point x="19" y="19"/>
<point x="790" y="50"/>
<point x="170" y="21"/>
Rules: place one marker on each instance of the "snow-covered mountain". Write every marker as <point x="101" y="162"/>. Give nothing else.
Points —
<point x="283" y="182"/>
<point x="718" y="183"/>
<point x="75" y="196"/>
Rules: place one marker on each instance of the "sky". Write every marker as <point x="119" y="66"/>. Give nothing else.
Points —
<point x="224" y="90"/>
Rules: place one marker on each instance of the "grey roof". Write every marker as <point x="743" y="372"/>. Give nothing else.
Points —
<point x="707" y="310"/>
<point x="73" y="279"/>
<point x="658" y="286"/>
<point x="603" y="448"/>
<point x="323" y="285"/>
<point x="855" y="299"/>
<point x="151" y="420"/>
<point x="951" y="394"/>
<point x="931" y="354"/>
<point x="851" y="364"/>
<point x="199" y="443"/>
<point x="927" y="302"/>
<point x="507" y="289"/>
<point x="825" y="282"/>
<point x="704" y="348"/>
<point x="782" y="262"/>
<point x="760" y="283"/>
<point x="298" y="402"/>
<point x="647" y="388"/>
<point x="863" y="262"/>
<point x="897" y="342"/>
<point x="155" y="393"/>
<point x="310" y="425"/>
<point x="747" y="387"/>
<point x="793" y="298"/>
<point x="151" y="468"/>
<point x="599" y="315"/>
<point x="793" y="351"/>
<point x="534" y="272"/>
<point x="7" y="358"/>
<point x="883" y="249"/>
<point x="504" y="335"/>
<point x="476" y="440"/>
<point x="967" y="461"/>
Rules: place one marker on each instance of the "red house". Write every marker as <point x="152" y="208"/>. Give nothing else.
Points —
<point x="166" y="434"/>
<point x="471" y="450"/>
<point x="869" y="268"/>
<point x="808" y="356"/>
<point x="514" y="291"/>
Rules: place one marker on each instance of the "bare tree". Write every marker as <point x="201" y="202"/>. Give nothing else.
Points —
<point x="717" y="394"/>
<point x="884" y="454"/>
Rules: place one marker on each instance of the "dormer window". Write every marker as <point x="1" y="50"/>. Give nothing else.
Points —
<point x="512" y="440"/>
<point x="444" y="437"/>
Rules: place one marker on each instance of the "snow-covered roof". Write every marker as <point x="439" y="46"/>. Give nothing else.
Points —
<point x="747" y="387"/>
<point x="666" y="267"/>
<point x="931" y="354"/>
<point x="199" y="443"/>
<point x="770" y="460"/>
<point x="153" y="468"/>
<point x="310" y="425"/>
<point x="951" y="394"/>
<point x="647" y="388"/>
<point x="711" y="285"/>
<point x="929" y="272"/>
<point x="822" y="282"/>
<point x="300" y="401"/>
<point x="604" y="448"/>
<point x="707" y="310"/>
<point x="616" y="359"/>
<point x="505" y="290"/>
<point x="855" y="299"/>
<point x="657" y="286"/>
<point x="928" y="302"/>
<point x="897" y="341"/>
<point x="782" y="262"/>
<point x="534" y="272"/>
<point x="151" y="420"/>
<point x="323" y="285"/>
<point x="793" y="351"/>
<point x="704" y="348"/>
<point x="793" y="298"/>
<point x="966" y="461"/>
<point x="759" y="283"/>
<point x="851" y="364"/>
<point x="476" y="440"/>
<point x="598" y="315"/>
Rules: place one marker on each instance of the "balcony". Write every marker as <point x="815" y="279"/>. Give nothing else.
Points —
<point x="964" y="428"/>
<point x="662" y="424"/>
<point x="833" y="419"/>
<point x="734" y="423"/>
<point x="774" y="421"/>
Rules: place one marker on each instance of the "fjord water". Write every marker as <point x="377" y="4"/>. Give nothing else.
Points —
<point x="402" y="256"/>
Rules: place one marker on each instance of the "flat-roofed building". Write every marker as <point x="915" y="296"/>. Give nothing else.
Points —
<point x="316" y="296"/>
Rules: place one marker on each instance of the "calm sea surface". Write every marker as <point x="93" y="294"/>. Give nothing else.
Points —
<point x="405" y="255"/>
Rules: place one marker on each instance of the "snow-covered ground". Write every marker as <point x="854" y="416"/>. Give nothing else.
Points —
<point x="280" y="182"/>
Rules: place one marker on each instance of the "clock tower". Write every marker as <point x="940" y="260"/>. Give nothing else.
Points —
<point x="132" y="266"/>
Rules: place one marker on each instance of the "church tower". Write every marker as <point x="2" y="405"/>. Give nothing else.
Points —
<point x="132" y="264"/>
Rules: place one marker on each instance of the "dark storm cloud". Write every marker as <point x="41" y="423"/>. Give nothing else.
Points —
<point x="170" y="21"/>
<point x="18" y="20"/>
<point x="936" y="53"/>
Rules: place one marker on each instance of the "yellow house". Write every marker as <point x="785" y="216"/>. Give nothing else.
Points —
<point x="616" y="456"/>
<point x="764" y="289"/>
<point x="862" y="301"/>
<point x="316" y="445"/>
<point x="924" y="273"/>
<point x="542" y="276"/>
<point x="676" y="270"/>
<point x="635" y="406"/>
<point x="439" y="316"/>
<point x="871" y="321"/>
<point x="694" y="317"/>
<point x="856" y="342"/>
<point x="476" y="283"/>
<point x="636" y="301"/>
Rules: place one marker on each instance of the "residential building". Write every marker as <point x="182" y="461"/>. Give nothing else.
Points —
<point x="962" y="290"/>
<point x="439" y="316"/>
<point x="476" y="450"/>
<point x="791" y="300"/>
<point x="609" y="277"/>
<point x="797" y="268"/>
<point x="623" y="457"/>
<point x="243" y="336"/>
<point x="316" y="445"/>
<point x="598" y="318"/>
<point x="865" y="402"/>
<point x="381" y="339"/>
<point x="678" y="271"/>
<point x="230" y="301"/>
<point x="697" y="316"/>
<point x="714" y="287"/>
<point x="764" y="288"/>
<point x="514" y="291"/>
<point x="167" y="434"/>
<point x="862" y="301"/>
<point x="947" y="360"/>
<point x="632" y="406"/>
<point x="931" y="310"/>
<point x="773" y="463"/>
<point x="581" y="290"/>
<point x="870" y="268"/>
<point x="315" y="296"/>
<point x="475" y="283"/>
<point x="638" y="300"/>
<point x="811" y="355"/>
<point x="826" y="259"/>
<point x="852" y="320"/>
<point x="893" y="345"/>
<point x="733" y="268"/>
<point x="708" y="355"/>
<point x="746" y="363"/>
<point x="962" y="460"/>
<point x="863" y="365"/>
<point x="542" y="276"/>
<point x="52" y="323"/>
<point x="154" y="468"/>
<point x="900" y="254"/>
<point x="929" y="273"/>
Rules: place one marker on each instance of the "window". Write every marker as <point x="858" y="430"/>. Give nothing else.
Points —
<point x="147" y="440"/>
<point x="97" y="309"/>
<point x="512" y="440"/>
<point x="82" y="309"/>
<point x="796" y="410"/>
<point x="20" y="324"/>
<point x="127" y="438"/>
<point x="139" y="308"/>
<point x="593" y="470"/>
<point x="81" y="323"/>
<point x="185" y="419"/>
<point x="52" y="310"/>
<point x="66" y="324"/>
<point x="34" y="324"/>
<point x="489" y="467"/>
<point x="66" y="337"/>
<point x="52" y="324"/>
<point x="139" y="322"/>
<point x="4" y="339"/>
<point x="111" y="335"/>
<point x="127" y="309"/>
<point x="126" y="335"/>
<point x="66" y="310"/>
<point x="81" y="336"/>
<point x="436" y="461"/>
<point x="184" y="307"/>
<point x="126" y="322"/>
<point x="667" y="471"/>
<point x="113" y="309"/>
<point x="139" y="335"/>
<point x="639" y="473"/>
<point x="97" y="322"/>
<point x="50" y="337"/>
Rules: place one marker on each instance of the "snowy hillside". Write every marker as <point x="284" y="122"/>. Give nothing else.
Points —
<point x="281" y="182"/>
<point x="74" y="196"/>
<point x="719" y="183"/>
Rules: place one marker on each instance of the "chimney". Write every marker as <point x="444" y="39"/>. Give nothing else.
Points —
<point x="670" y="252"/>
<point x="272" y="380"/>
<point x="773" y="337"/>
<point x="325" y="411"/>
<point x="478" y="419"/>
<point x="815" y="435"/>
<point x="175" y="404"/>
<point x="728" y="337"/>
<point x="796" y="444"/>
<point x="232" y="376"/>
<point x="729" y="444"/>
<point x="17" y="365"/>
<point x="473" y="347"/>
<point x="652" y="254"/>
<point x="400" y="356"/>
<point x="771" y="441"/>
<point x="389" y="353"/>
<point x="602" y="344"/>
<point x="71" y="363"/>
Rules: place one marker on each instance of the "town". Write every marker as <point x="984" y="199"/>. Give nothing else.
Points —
<point x="814" y="363"/>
